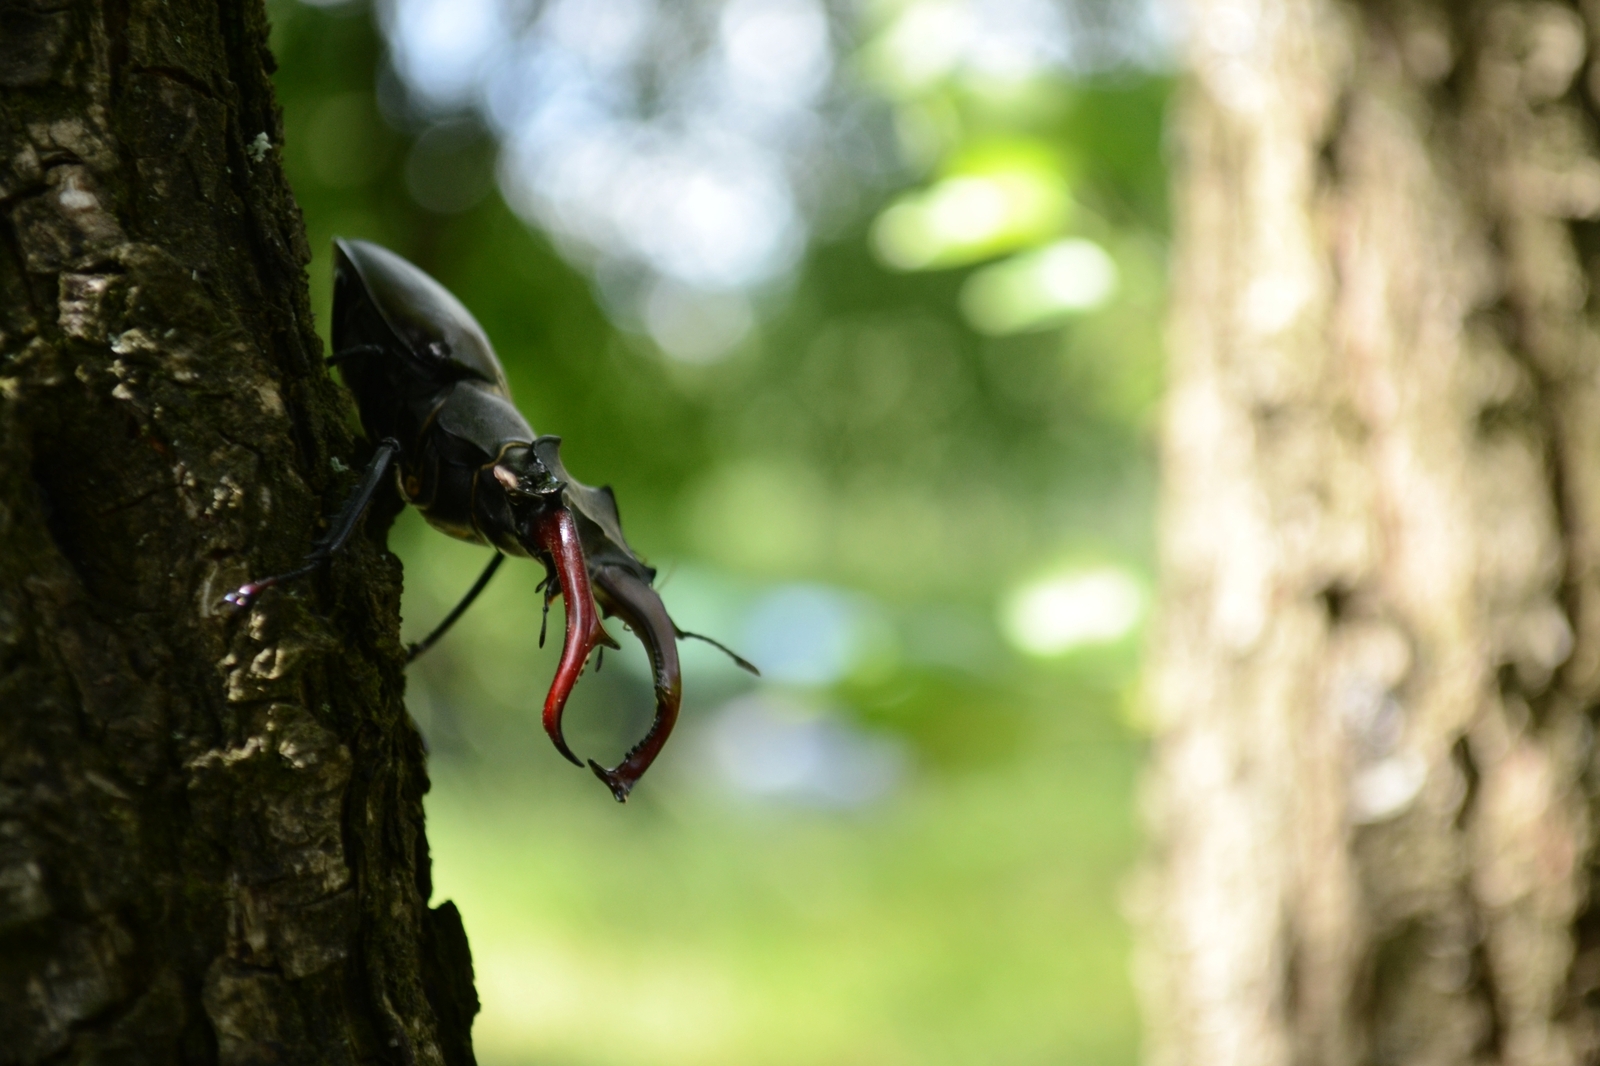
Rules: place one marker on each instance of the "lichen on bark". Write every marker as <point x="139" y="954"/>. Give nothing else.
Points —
<point x="211" y="839"/>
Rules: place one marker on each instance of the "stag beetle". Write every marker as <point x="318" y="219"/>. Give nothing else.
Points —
<point x="432" y="394"/>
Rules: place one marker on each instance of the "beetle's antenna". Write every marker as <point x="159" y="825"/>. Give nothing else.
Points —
<point x="739" y="660"/>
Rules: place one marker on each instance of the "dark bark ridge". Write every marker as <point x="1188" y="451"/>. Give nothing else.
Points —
<point x="211" y="842"/>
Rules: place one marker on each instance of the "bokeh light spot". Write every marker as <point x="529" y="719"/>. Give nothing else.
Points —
<point x="778" y="48"/>
<point x="970" y="217"/>
<point x="1067" y="611"/>
<point x="694" y="325"/>
<point x="1039" y="288"/>
<point x="450" y="167"/>
<point x="805" y="634"/>
<point x="766" y="746"/>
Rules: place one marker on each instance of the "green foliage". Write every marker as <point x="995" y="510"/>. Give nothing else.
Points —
<point x="866" y="439"/>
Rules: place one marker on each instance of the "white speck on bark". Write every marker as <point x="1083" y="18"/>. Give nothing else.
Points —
<point x="74" y="198"/>
<point x="271" y="401"/>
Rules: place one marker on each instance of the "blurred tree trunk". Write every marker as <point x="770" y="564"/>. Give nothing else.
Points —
<point x="1377" y="673"/>
<point x="211" y="843"/>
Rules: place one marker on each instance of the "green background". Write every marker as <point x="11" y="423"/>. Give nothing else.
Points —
<point x="865" y="446"/>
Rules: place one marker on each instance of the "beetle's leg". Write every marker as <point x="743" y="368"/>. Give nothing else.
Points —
<point x="548" y="587"/>
<point x="558" y="536"/>
<point x="338" y="535"/>
<point x="460" y="609"/>
<point x="637" y="604"/>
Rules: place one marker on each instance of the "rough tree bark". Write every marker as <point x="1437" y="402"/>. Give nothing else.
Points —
<point x="211" y="843"/>
<point x="1377" y="676"/>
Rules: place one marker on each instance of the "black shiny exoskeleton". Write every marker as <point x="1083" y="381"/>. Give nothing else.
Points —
<point x="434" y="397"/>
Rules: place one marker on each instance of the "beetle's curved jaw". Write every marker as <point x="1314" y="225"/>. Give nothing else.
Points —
<point x="637" y="604"/>
<point x="557" y="534"/>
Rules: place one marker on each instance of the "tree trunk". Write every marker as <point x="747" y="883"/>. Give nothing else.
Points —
<point x="211" y="843"/>
<point x="1377" y="672"/>
<point x="1378" y="666"/>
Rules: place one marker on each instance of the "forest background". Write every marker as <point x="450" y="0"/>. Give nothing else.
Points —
<point x="858" y="308"/>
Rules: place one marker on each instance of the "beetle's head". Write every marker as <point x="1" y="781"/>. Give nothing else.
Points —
<point x="530" y="486"/>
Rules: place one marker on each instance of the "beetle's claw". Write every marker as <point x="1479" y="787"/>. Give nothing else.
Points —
<point x="243" y="595"/>
<point x="625" y="595"/>
<point x="558" y="535"/>
<point x="620" y="786"/>
<point x="246" y="594"/>
<point x="637" y="604"/>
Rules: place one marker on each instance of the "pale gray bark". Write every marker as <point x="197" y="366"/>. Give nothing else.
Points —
<point x="1377" y="670"/>
<point x="211" y="843"/>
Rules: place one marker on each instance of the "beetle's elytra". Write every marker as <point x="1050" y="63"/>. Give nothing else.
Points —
<point x="433" y="395"/>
